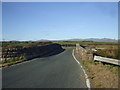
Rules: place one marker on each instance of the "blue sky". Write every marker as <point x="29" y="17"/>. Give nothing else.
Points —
<point x="60" y="20"/>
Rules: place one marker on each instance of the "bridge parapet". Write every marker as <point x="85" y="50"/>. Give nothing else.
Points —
<point x="84" y="53"/>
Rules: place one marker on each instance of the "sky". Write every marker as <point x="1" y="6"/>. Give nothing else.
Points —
<point x="59" y="20"/>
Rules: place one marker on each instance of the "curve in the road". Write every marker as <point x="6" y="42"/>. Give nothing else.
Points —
<point x="58" y="71"/>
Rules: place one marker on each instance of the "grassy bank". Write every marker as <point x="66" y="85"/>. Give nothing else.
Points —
<point x="8" y="62"/>
<point x="102" y="76"/>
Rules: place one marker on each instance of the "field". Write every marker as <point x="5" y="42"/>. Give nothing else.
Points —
<point x="24" y="44"/>
<point x="16" y="44"/>
<point x="84" y="42"/>
<point x="61" y="42"/>
<point x="109" y="51"/>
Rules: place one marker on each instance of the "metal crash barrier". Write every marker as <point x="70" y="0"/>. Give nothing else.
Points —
<point x="107" y="60"/>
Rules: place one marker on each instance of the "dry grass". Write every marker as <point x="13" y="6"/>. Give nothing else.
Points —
<point x="100" y="75"/>
<point x="9" y="62"/>
<point x="107" y="46"/>
<point x="109" y="53"/>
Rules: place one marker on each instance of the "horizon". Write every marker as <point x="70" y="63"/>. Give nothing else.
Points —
<point x="24" y="21"/>
<point x="82" y="39"/>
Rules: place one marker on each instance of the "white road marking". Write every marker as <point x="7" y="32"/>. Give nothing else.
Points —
<point x="86" y="76"/>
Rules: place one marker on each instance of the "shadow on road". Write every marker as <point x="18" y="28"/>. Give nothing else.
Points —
<point x="54" y="53"/>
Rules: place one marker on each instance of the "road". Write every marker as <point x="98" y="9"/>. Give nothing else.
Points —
<point x="57" y="71"/>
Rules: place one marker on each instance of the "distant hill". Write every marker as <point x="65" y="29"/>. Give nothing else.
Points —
<point x="92" y="39"/>
<point x="101" y="40"/>
<point x="76" y="39"/>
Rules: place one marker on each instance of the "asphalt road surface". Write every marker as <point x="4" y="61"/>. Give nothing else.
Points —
<point x="57" y="71"/>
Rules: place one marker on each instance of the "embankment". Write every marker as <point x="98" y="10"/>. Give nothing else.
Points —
<point x="20" y="54"/>
<point x="100" y="75"/>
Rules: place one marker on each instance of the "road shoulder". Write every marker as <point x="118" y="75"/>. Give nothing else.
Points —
<point x="86" y="76"/>
<point x="101" y="75"/>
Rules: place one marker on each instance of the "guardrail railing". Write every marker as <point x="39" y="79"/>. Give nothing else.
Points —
<point x="107" y="60"/>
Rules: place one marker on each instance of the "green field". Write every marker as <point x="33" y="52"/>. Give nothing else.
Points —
<point x="7" y="44"/>
<point x="16" y="44"/>
<point x="83" y="42"/>
<point x="60" y="42"/>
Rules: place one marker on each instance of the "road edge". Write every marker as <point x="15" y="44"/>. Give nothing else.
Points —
<point x="86" y="76"/>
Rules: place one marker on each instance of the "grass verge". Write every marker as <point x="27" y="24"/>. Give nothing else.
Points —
<point x="102" y="75"/>
<point x="12" y="61"/>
